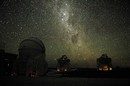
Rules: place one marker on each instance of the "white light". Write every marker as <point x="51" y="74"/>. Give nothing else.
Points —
<point x="110" y="68"/>
<point x="58" y="70"/>
<point x="65" y="69"/>
<point x="64" y="14"/>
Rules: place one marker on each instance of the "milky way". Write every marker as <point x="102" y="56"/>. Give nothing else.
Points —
<point x="81" y="29"/>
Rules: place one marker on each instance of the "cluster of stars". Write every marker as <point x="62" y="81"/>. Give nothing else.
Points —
<point x="81" y="29"/>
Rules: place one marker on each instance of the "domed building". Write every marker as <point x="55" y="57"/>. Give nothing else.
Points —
<point x="31" y="58"/>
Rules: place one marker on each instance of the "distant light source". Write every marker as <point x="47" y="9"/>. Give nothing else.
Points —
<point x="58" y="70"/>
<point x="100" y="69"/>
<point x="110" y="68"/>
<point x="8" y="64"/>
<point x="65" y="69"/>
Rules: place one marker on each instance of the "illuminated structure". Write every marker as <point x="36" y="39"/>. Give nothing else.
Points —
<point x="63" y="64"/>
<point x="104" y="63"/>
<point x="31" y="58"/>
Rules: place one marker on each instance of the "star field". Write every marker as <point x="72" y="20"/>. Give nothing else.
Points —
<point x="81" y="29"/>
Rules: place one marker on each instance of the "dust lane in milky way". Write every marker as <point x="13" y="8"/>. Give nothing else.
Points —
<point x="81" y="29"/>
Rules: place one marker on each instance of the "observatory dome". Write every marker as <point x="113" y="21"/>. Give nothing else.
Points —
<point x="32" y="43"/>
<point x="32" y="56"/>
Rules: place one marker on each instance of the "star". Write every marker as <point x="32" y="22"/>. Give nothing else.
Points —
<point x="81" y="29"/>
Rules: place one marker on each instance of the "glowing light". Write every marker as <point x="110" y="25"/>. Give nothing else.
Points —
<point x="65" y="70"/>
<point x="110" y="68"/>
<point x="58" y="70"/>
<point x="57" y="23"/>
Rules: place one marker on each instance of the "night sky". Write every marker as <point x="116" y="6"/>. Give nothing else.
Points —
<point x="81" y="29"/>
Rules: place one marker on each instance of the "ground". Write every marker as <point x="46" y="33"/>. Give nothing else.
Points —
<point x="80" y="77"/>
<point x="63" y="81"/>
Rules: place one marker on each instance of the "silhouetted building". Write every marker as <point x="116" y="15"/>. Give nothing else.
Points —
<point x="63" y="64"/>
<point x="104" y="63"/>
<point x="31" y="58"/>
<point x="6" y="62"/>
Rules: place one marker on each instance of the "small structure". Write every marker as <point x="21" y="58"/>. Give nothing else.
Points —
<point x="63" y="64"/>
<point x="104" y="63"/>
<point x="31" y="58"/>
<point x="6" y="63"/>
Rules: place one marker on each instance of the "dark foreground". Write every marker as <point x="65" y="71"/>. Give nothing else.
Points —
<point x="63" y="81"/>
<point x="79" y="77"/>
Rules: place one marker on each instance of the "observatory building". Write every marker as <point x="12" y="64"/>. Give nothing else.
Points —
<point x="6" y="62"/>
<point x="31" y="58"/>
<point x="104" y="63"/>
<point x="63" y="64"/>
